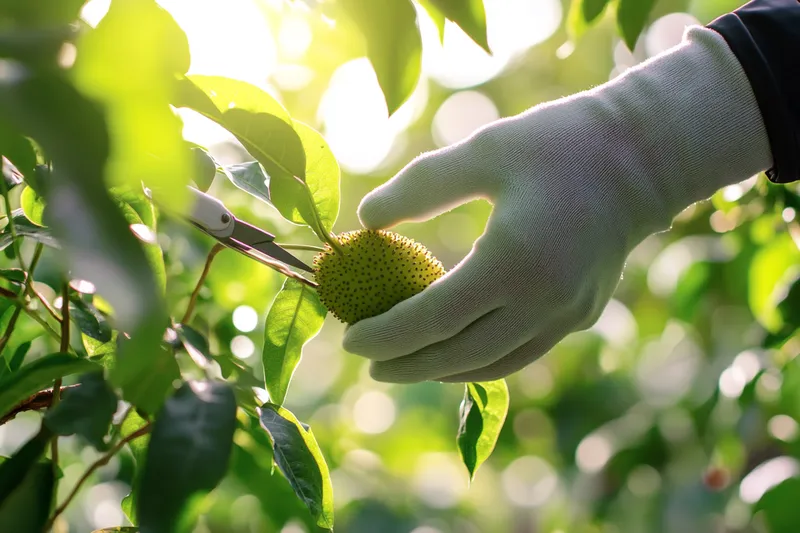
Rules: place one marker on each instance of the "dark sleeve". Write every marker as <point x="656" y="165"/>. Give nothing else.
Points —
<point x="765" y="37"/>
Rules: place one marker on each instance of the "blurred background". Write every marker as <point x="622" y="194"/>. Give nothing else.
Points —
<point x="667" y="416"/>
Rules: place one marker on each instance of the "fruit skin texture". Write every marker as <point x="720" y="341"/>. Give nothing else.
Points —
<point x="375" y="271"/>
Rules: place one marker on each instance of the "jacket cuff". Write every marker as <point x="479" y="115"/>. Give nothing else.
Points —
<point x="764" y="35"/>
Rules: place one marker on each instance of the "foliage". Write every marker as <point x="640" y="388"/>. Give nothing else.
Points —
<point x="108" y="327"/>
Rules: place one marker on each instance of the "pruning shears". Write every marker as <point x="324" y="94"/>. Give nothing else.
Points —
<point x="210" y="216"/>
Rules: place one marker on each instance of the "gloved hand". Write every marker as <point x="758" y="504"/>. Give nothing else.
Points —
<point x="575" y="185"/>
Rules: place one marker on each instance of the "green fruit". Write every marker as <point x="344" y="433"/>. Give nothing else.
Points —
<point x="374" y="271"/>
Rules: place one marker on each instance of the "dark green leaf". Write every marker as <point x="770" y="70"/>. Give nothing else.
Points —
<point x="469" y="15"/>
<point x="33" y="206"/>
<point x="27" y="508"/>
<point x="89" y="319"/>
<point x="393" y="43"/>
<point x="591" y="9"/>
<point x="19" y="151"/>
<point x="86" y="410"/>
<point x="13" y="274"/>
<point x="295" y="317"/>
<point x="188" y="452"/>
<point x="195" y="344"/>
<point x="16" y="360"/>
<point x="14" y="470"/>
<point x="299" y="458"/>
<point x="251" y="178"/>
<point x="205" y="168"/>
<point x="483" y="413"/>
<point x="39" y="375"/>
<point x="138" y="446"/>
<point x="41" y="12"/>
<point x="39" y="179"/>
<point x="117" y="530"/>
<point x="25" y="228"/>
<point x="632" y="16"/>
<point x="779" y="506"/>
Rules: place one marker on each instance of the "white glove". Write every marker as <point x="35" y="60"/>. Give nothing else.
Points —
<point x="575" y="184"/>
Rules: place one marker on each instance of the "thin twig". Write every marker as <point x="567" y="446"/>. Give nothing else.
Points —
<point x="46" y="304"/>
<point x="64" y="348"/>
<point x="302" y="247"/>
<point x="97" y="464"/>
<point x="35" y="402"/>
<point x="193" y="298"/>
<point x="42" y="322"/>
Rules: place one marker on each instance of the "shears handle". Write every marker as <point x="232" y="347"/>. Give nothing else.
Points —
<point x="211" y="214"/>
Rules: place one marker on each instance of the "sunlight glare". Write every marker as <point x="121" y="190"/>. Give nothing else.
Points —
<point x="460" y="115"/>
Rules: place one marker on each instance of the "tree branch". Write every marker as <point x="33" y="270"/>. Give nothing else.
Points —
<point x="193" y="298"/>
<point x="34" y="402"/>
<point x="97" y="464"/>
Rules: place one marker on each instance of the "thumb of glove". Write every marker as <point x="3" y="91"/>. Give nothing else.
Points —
<point x="431" y="184"/>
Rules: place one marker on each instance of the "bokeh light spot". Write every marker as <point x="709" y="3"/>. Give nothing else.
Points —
<point x="529" y="481"/>
<point x="783" y="427"/>
<point x="245" y="318"/>
<point x="767" y="475"/>
<point x="593" y="453"/>
<point x="242" y="347"/>
<point x="460" y="115"/>
<point x="374" y="412"/>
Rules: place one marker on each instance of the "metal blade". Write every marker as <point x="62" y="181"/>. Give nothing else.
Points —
<point x="264" y="242"/>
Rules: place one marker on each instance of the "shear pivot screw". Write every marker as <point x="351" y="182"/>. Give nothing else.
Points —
<point x="226" y="218"/>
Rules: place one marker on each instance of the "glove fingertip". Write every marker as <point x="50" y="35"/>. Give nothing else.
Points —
<point x="374" y="213"/>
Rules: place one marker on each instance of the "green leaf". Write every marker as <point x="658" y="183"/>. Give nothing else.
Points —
<point x="254" y="117"/>
<point x="768" y="279"/>
<point x="582" y="14"/>
<point x="436" y="16"/>
<point x="98" y="244"/>
<point x="18" y="150"/>
<point x="39" y="375"/>
<point x="14" y="470"/>
<point x="789" y="311"/>
<point x="299" y="458"/>
<point x="205" y="168"/>
<point x="27" y="508"/>
<point x="32" y="205"/>
<point x="483" y="413"/>
<point x="469" y="15"/>
<point x="86" y="410"/>
<point x="13" y="274"/>
<point x="251" y="178"/>
<point x="25" y="228"/>
<point x="135" y="84"/>
<point x="779" y="505"/>
<point x="89" y="319"/>
<point x="321" y="182"/>
<point x="146" y="378"/>
<point x="632" y="16"/>
<point x="42" y="12"/>
<point x="138" y="446"/>
<point x="188" y="452"/>
<point x="15" y="361"/>
<point x="393" y="44"/>
<point x="117" y="530"/>
<point x="295" y="317"/>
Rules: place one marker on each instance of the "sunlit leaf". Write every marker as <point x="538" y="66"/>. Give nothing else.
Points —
<point x="322" y="181"/>
<point x="136" y="85"/>
<point x="138" y="447"/>
<point x="632" y="16"/>
<point x="299" y="458"/>
<point x="251" y="178"/>
<point x="257" y="120"/>
<point x="582" y="13"/>
<point x="789" y="311"/>
<point x="39" y="375"/>
<point x="32" y="205"/>
<point x="469" y="15"/>
<point x="436" y="16"/>
<point x="27" y="508"/>
<point x="394" y="46"/>
<point x="483" y="413"/>
<point x="295" y="317"/>
<point x="188" y="452"/>
<point x="18" y="150"/>
<point x="768" y="278"/>
<point x="86" y="410"/>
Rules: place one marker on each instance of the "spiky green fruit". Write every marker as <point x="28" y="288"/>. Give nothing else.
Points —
<point x="374" y="271"/>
